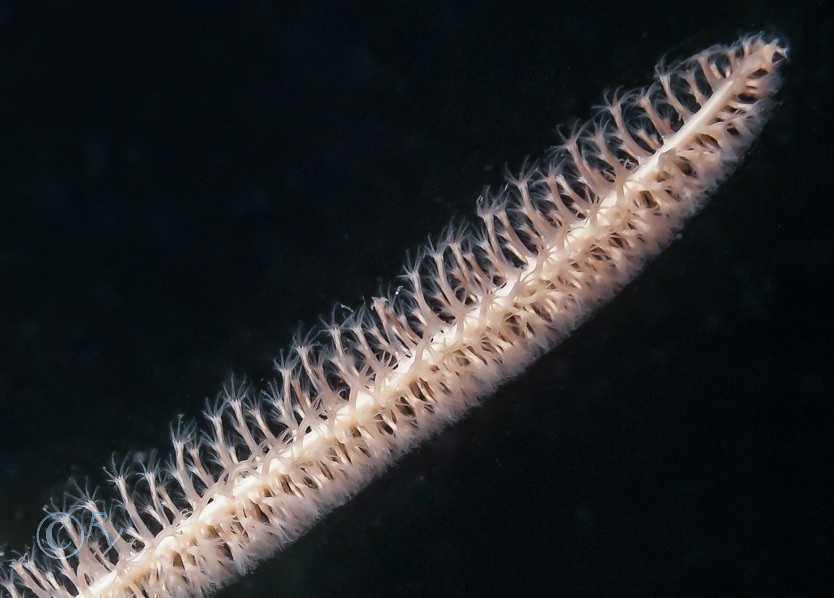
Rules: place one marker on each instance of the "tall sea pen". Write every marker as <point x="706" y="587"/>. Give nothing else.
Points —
<point x="475" y="307"/>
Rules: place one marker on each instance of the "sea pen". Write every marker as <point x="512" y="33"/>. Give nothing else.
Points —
<point x="475" y="308"/>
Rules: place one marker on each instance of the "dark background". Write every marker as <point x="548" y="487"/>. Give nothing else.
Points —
<point x="182" y="187"/>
